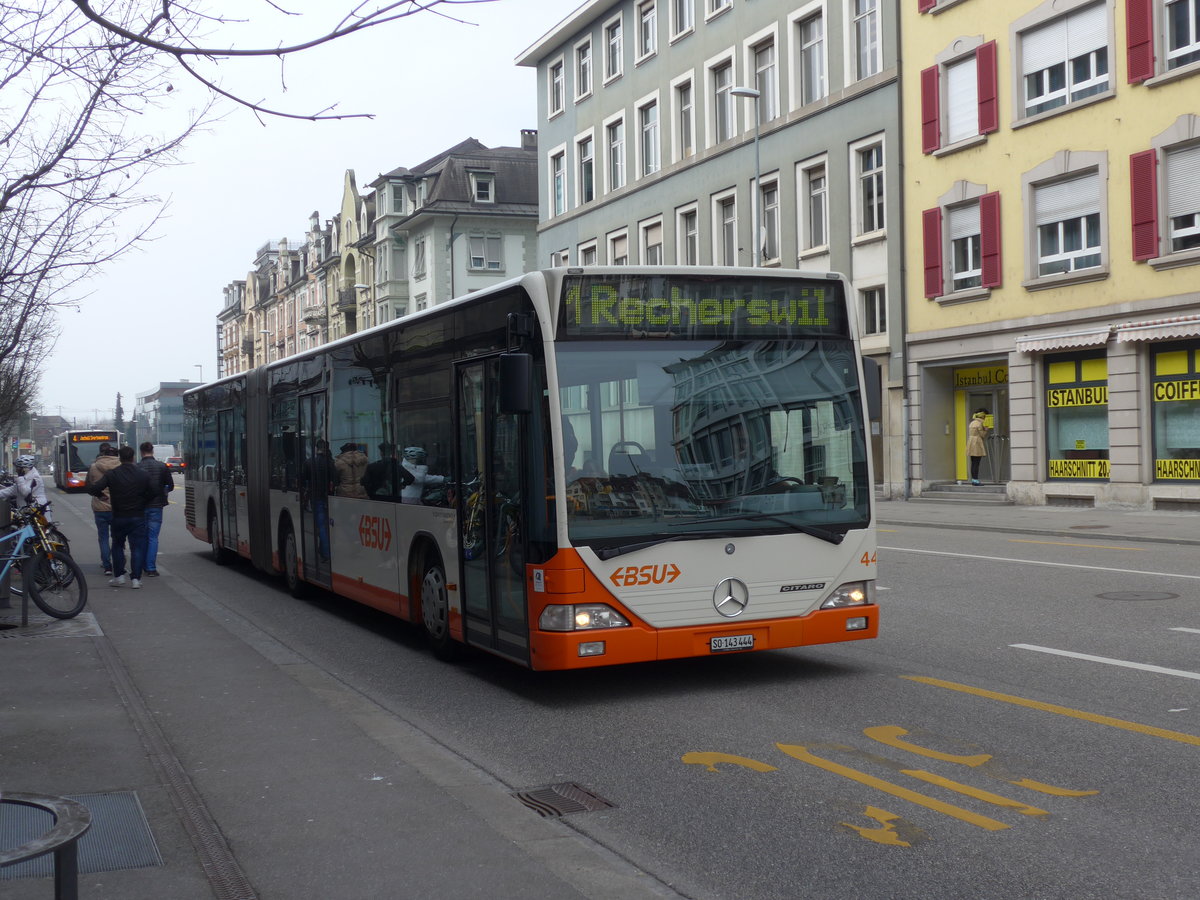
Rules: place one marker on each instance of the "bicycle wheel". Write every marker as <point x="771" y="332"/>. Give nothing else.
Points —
<point x="58" y="586"/>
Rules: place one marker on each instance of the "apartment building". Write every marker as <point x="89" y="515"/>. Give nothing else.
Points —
<point x="1053" y="176"/>
<point x="690" y="131"/>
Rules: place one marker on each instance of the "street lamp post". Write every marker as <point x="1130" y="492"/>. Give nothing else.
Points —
<point x="755" y="95"/>
<point x="201" y="368"/>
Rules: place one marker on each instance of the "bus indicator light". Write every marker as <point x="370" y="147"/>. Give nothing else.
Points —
<point x="375" y="532"/>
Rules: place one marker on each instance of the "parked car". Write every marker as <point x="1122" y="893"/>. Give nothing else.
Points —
<point x="175" y="464"/>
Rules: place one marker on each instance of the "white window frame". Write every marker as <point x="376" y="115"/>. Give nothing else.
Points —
<point x="714" y="8"/>
<point x="557" y="170"/>
<point x="767" y="201"/>
<point x="724" y="228"/>
<point x="964" y="237"/>
<point x="686" y="237"/>
<point x="873" y="309"/>
<point x="419" y="262"/>
<point x="421" y="301"/>
<point x="585" y="74"/>
<point x="799" y="51"/>
<point x="1065" y="166"/>
<point x="586" y="253"/>
<point x="649" y="135"/>
<point x="1045" y="35"/>
<point x="863" y="62"/>
<point x="683" y="117"/>
<point x="614" y="48"/>
<point x="720" y="98"/>
<point x="490" y="262"/>
<point x="560" y="258"/>
<point x="646" y="231"/>
<point x="764" y="79"/>
<point x="556" y="87"/>
<point x="580" y="162"/>
<point x="810" y="244"/>
<point x="612" y="165"/>
<point x="875" y="225"/>
<point x="617" y="240"/>
<point x="1191" y="48"/>
<point x="478" y="180"/>
<point x="683" y="18"/>
<point x="647" y="29"/>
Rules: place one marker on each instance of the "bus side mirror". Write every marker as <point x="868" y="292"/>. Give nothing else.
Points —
<point x="516" y="382"/>
<point x="871" y="385"/>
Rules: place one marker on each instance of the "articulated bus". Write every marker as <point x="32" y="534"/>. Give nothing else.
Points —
<point x="74" y="453"/>
<point x="577" y="467"/>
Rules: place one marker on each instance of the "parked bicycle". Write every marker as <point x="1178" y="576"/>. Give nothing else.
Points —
<point x="37" y="564"/>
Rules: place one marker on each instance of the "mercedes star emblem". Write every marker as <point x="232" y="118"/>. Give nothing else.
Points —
<point x="731" y="598"/>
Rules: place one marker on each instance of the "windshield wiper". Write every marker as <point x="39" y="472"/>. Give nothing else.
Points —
<point x="823" y="534"/>
<point x="622" y="549"/>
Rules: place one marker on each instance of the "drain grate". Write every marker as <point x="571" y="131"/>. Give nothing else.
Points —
<point x="42" y="626"/>
<point x="562" y="799"/>
<point x="119" y="838"/>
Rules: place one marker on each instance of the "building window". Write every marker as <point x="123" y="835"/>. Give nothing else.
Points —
<point x="615" y="137"/>
<point x="1175" y="373"/>
<point x="648" y="124"/>
<point x="813" y="207"/>
<point x="866" y="38"/>
<point x="768" y="204"/>
<point x="688" y="237"/>
<point x="422" y="302"/>
<point x="766" y="80"/>
<point x="556" y="87"/>
<point x="1066" y="60"/>
<point x="485" y="252"/>
<point x="652" y="243"/>
<point x="1172" y="167"/>
<point x="722" y="87"/>
<point x="618" y="249"/>
<point x="397" y="199"/>
<point x="810" y="34"/>
<point x="614" y="49"/>
<point x="587" y="254"/>
<point x="587" y="169"/>
<point x="1183" y="198"/>
<point x="717" y="6"/>
<point x="558" y="182"/>
<point x="583" y="69"/>
<point x="683" y="16"/>
<point x="647" y="28"/>
<point x="1183" y="32"/>
<point x="419" y="258"/>
<point x="869" y="170"/>
<point x="1077" y="417"/>
<point x="874" y="311"/>
<point x="685" y="117"/>
<point x="483" y="187"/>
<point x="966" y="261"/>
<point x="1067" y="215"/>
<point x="725" y="230"/>
<point x="971" y="237"/>
<point x="559" y="258"/>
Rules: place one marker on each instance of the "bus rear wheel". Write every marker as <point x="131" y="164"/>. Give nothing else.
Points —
<point x="291" y="564"/>
<point x="435" y="612"/>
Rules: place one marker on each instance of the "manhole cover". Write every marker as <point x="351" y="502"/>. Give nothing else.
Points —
<point x="1137" y="595"/>
<point x="560" y="799"/>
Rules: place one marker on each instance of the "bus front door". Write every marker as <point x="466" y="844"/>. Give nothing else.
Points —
<point x="491" y="515"/>
<point x="316" y="475"/>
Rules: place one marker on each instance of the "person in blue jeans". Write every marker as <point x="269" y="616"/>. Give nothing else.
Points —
<point x="162" y="478"/>
<point x="129" y="490"/>
<point x="101" y="505"/>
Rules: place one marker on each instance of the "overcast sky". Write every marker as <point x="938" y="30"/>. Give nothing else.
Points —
<point x="430" y="82"/>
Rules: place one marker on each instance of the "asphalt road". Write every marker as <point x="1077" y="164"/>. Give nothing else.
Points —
<point x="1027" y="725"/>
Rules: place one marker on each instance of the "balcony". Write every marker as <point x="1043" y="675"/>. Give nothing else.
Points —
<point x="347" y="299"/>
<point x="247" y="345"/>
<point x="314" y="315"/>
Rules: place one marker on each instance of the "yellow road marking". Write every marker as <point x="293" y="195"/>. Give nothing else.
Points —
<point x="801" y="753"/>
<point x="885" y="833"/>
<point x="1065" y="544"/>
<point x="1150" y="730"/>
<point x="978" y="793"/>
<point x="891" y="734"/>
<point x="709" y="761"/>
<point x="1051" y="789"/>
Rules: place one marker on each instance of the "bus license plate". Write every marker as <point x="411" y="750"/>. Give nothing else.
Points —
<point x="731" y="642"/>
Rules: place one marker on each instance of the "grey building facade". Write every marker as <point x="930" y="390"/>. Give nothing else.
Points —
<point x="648" y="112"/>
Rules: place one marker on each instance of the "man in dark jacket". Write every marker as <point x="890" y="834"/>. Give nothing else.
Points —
<point x="129" y="490"/>
<point x="160" y="477"/>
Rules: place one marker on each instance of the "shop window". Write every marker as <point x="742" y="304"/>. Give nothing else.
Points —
<point x="1175" y="389"/>
<point x="1077" y="417"/>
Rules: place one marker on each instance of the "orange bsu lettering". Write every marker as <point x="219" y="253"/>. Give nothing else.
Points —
<point x="631" y="576"/>
<point x="375" y="532"/>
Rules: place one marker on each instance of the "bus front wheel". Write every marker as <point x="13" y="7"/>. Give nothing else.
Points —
<point x="219" y="554"/>
<point x="435" y="612"/>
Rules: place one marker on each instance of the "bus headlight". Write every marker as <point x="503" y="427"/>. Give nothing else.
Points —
<point x="580" y="617"/>
<point x="854" y="593"/>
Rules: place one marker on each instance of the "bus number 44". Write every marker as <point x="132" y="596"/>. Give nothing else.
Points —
<point x="375" y="532"/>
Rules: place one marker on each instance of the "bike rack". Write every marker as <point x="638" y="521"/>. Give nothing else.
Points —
<point x="71" y="822"/>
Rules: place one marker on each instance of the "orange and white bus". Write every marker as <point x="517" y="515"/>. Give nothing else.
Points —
<point x="75" y="451"/>
<point x="577" y="467"/>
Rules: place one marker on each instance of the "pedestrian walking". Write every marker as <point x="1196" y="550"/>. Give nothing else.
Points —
<point x="129" y="490"/>
<point x="101" y="505"/>
<point x="976" y="449"/>
<point x="161" y="478"/>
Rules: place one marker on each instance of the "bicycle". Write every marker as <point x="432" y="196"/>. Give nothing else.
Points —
<point x="53" y="580"/>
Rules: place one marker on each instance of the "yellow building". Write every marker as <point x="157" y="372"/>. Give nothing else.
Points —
<point x="1052" y="213"/>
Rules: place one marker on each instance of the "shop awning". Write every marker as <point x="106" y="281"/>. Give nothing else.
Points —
<point x="1064" y="340"/>
<point x="1160" y="329"/>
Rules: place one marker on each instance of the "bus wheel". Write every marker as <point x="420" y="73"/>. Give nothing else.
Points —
<point x="219" y="554"/>
<point x="435" y="612"/>
<point x="291" y="565"/>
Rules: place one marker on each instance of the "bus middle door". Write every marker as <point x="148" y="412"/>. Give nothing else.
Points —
<point x="492" y="530"/>
<point x="316" y="476"/>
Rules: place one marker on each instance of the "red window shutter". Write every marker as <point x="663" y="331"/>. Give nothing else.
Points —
<point x="989" y="240"/>
<point x="931" y="118"/>
<point x="1139" y="39"/>
<point x="985" y="75"/>
<point x="1143" y="197"/>
<point x="925" y="5"/>
<point x="931" y="229"/>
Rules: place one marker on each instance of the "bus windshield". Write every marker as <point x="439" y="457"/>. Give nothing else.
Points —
<point x="688" y="439"/>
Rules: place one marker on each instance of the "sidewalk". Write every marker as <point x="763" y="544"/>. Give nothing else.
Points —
<point x="247" y="772"/>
